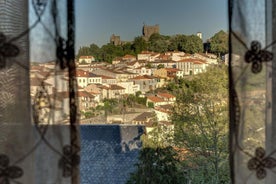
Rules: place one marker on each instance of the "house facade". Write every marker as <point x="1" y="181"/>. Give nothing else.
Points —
<point x="192" y="66"/>
<point x="146" y="83"/>
<point x="86" y="59"/>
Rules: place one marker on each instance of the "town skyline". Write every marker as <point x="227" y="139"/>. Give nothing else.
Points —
<point x="188" y="17"/>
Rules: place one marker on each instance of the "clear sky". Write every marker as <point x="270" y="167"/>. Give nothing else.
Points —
<point x="97" y="20"/>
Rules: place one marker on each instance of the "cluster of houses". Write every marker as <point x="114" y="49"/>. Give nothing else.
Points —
<point x="126" y="75"/>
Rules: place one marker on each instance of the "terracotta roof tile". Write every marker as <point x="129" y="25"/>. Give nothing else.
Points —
<point x="84" y="94"/>
<point x="193" y="60"/>
<point x="116" y="87"/>
<point x="155" y="99"/>
<point x="166" y="95"/>
<point x="145" y="116"/>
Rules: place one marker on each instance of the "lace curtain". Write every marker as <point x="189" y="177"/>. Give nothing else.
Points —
<point x="252" y="90"/>
<point x="39" y="140"/>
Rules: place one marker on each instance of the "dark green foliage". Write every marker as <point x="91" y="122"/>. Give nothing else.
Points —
<point x="160" y="66"/>
<point x="84" y="51"/>
<point x="127" y="48"/>
<point x="192" y="44"/>
<point x="88" y="114"/>
<point x="109" y="52"/>
<point x="201" y="125"/>
<point x="158" y="43"/>
<point x="141" y="100"/>
<point x="109" y="106"/>
<point x="188" y="44"/>
<point x="219" y="43"/>
<point x="150" y="105"/>
<point x="157" y="166"/>
<point x="139" y="45"/>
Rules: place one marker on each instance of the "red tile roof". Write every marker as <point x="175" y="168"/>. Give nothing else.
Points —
<point x="193" y="60"/>
<point x="116" y="87"/>
<point x="82" y="73"/>
<point x="166" y="95"/>
<point x="84" y="94"/>
<point x="144" y="117"/>
<point x="155" y="99"/>
<point x="128" y="56"/>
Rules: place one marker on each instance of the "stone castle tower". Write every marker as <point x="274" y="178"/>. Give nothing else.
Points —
<point x="149" y="30"/>
<point x="115" y="40"/>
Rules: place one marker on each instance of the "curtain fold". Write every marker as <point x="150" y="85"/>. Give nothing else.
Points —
<point x="252" y="91"/>
<point x="39" y="133"/>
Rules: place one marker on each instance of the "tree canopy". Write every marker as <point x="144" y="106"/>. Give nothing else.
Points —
<point x="201" y="123"/>
<point x="157" y="43"/>
<point x="188" y="44"/>
<point x="219" y="43"/>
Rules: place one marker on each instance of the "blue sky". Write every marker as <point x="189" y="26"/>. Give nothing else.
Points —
<point x="97" y="20"/>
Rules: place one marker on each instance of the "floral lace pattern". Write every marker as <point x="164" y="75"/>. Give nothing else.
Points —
<point x="259" y="163"/>
<point x="252" y="91"/>
<point x="45" y="101"/>
<point x="6" y="50"/>
<point x="256" y="56"/>
<point x="68" y="161"/>
<point x="7" y="172"/>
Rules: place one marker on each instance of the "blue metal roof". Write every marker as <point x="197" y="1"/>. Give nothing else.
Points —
<point x="109" y="153"/>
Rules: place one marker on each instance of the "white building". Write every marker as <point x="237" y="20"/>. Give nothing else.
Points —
<point x="130" y="87"/>
<point x="147" y="56"/>
<point x="191" y="66"/>
<point x="176" y="55"/>
<point x="86" y="59"/>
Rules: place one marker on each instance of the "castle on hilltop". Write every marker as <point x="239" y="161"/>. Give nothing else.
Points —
<point x="149" y="30"/>
<point x="115" y="40"/>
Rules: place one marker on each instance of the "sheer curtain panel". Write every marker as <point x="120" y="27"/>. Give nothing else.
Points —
<point x="39" y="134"/>
<point x="252" y="90"/>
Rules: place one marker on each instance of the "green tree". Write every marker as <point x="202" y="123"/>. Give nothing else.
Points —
<point x="219" y="43"/>
<point x="201" y="123"/>
<point x="158" y="43"/>
<point x="83" y="51"/>
<point x="160" y="66"/>
<point x="109" y="51"/>
<point x="139" y="44"/>
<point x="127" y="49"/>
<point x="175" y="42"/>
<point x="109" y="106"/>
<point x="191" y="44"/>
<point x="148" y="65"/>
<point x="150" y="105"/>
<point x="94" y="51"/>
<point x="157" y="165"/>
<point x="158" y="161"/>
